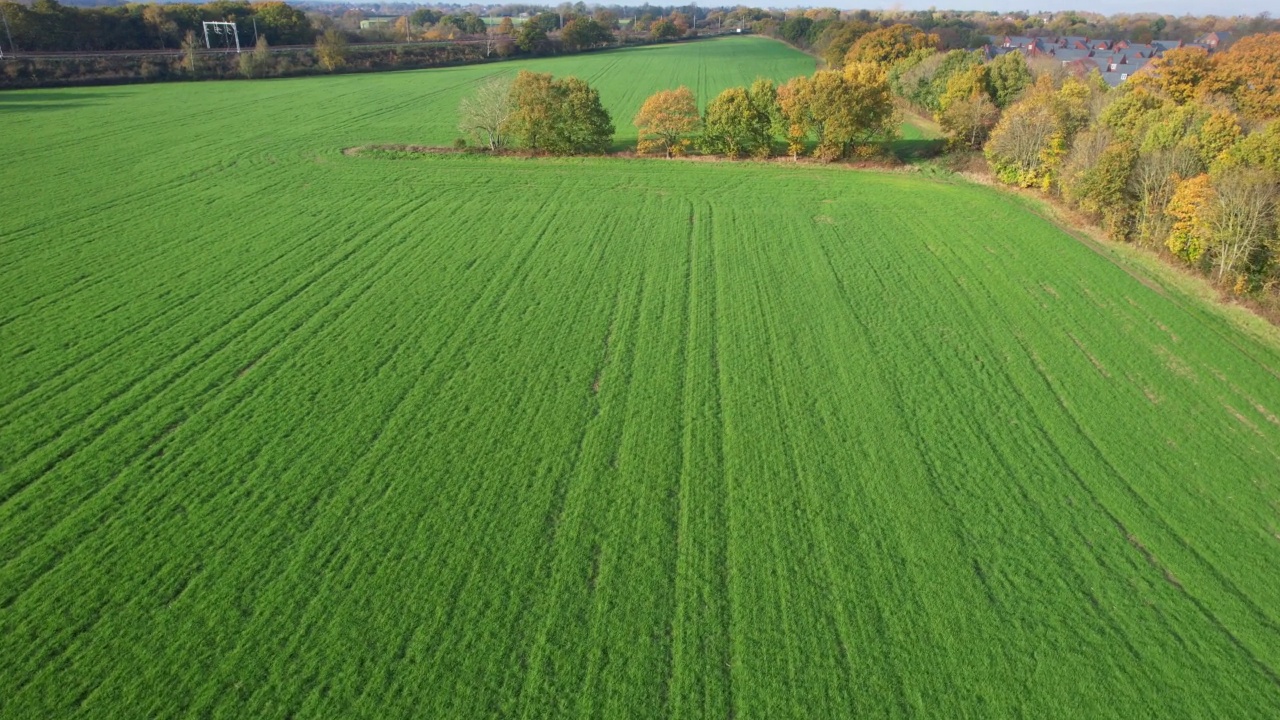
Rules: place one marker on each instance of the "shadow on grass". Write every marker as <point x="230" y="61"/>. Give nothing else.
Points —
<point x="41" y="100"/>
<point x="909" y="150"/>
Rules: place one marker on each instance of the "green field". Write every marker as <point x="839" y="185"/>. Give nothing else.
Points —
<point x="287" y="433"/>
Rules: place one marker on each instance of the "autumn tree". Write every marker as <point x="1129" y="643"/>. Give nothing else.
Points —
<point x="841" y="109"/>
<point x="1179" y="73"/>
<point x="1250" y="72"/>
<point x="158" y="22"/>
<point x="1241" y="219"/>
<point x="257" y="63"/>
<point x="663" y="29"/>
<point x="968" y="119"/>
<point x="924" y="84"/>
<point x="1260" y="149"/>
<point x="1027" y="139"/>
<point x="560" y="117"/>
<point x="836" y="40"/>
<point x="283" y="24"/>
<point x="331" y="49"/>
<point x="666" y="121"/>
<point x="1188" y="209"/>
<point x="1155" y="176"/>
<point x="191" y="53"/>
<point x="506" y="27"/>
<point x="485" y="114"/>
<point x="793" y="111"/>
<point x="888" y="45"/>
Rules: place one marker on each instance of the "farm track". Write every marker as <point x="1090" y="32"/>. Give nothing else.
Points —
<point x="286" y="432"/>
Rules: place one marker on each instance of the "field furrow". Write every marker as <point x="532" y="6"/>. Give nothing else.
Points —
<point x="291" y="433"/>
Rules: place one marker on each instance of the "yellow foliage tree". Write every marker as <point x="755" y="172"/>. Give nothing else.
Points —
<point x="1188" y="238"/>
<point x="793" y="107"/>
<point x="889" y="45"/>
<point x="1179" y="73"/>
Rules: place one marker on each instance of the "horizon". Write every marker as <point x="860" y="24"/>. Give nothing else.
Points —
<point x="1175" y="8"/>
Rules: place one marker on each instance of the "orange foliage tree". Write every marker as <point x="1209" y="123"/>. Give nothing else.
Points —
<point x="666" y="121"/>
<point x="1251" y="71"/>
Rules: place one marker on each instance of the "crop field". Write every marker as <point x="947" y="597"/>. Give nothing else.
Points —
<point x="286" y="433"/>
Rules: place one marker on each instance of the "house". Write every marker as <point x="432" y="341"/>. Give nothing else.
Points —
<point x="1117" y="61"/>
<point x="378" y="21"/>
<point x="1215" y="40"/>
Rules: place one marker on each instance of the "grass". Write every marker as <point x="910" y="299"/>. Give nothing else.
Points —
<point x="919" y="138"/>
<point x="290" y="433"/>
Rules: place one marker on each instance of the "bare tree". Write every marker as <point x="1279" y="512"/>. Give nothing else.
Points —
<point x="1242" y="217"/>
<point x="969" y="120"/>
<point x="485" y="113"/>
<point x="1155" y="177"/>
<point x="191" y="52"/>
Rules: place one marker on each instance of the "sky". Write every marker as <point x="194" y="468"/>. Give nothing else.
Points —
<point x="1106" y="7"/>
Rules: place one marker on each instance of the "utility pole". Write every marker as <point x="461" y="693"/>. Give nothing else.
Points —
<point x="5" y="17"/>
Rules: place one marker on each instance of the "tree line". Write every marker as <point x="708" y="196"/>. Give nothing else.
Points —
<point x="48" y="26"/>
<point x="171" y="44"/>
<point x="831" y="115"/>
<point x="1184" y="156"/>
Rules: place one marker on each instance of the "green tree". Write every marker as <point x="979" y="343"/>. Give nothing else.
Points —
<point x="532" y="38"/>
<point x="763" y="96"/>
<point x="728" y="122"/>
<point x="796" y="30"/>
<point x="283" y="24"/>
<point x="1008" y="76"/>
<point x="585" y="124"/>
<point x="425" y="16"/>
<point x="581" y="33"/>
